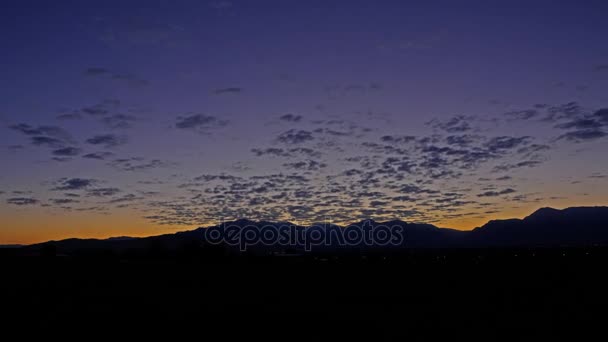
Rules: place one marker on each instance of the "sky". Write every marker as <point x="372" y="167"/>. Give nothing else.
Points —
<point x="149" y="117"/>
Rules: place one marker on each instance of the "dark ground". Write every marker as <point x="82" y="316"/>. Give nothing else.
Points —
<point x="418" y="296"/>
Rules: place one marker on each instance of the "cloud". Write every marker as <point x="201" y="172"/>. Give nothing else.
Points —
<point x="67" y="152"/>
<point x="107" y="140"/>
<point x="502" y="143"/>
<point x="51" y="136"/>
<point x="305" y="151"/>
<point x="125" y="198"/>
<point x="307" y="165"/>
<point x="63" y="201"/>
<point x="20" y="201"/>
<point x="523" y="114"/>
<point x="47" y="141"/>
<point x="99" y="109"/>
<point x="128" y="78"/>
<point x="398" y="139"/>
<point x="69" y="116"/>
<point x="564" y="111"/>
<point x="601" y="67"/>
<point x="230" y="90"/>
<point x="508" y="167"/>
<point x="456" y="124"/>
<point x="200" y="122"/>
<point x="39" y="130"/>
<point x="119" y="121"/>
<point x="602" y="115"/>
<point x="291" y="118"/>
<point x="334" y="91"/>
<point x="98" y="155"/>
<point x="67" y="184"/>
<point x="462" y="140"/>
<point x="138" y="164"/>
<point x="581" y="124"/>
<point x="103" y="192"/>
<point x="286" y="153"/>
<point x="293" y="136"/>
<point x="583" y="135"/>
<point x="496" y="193"/>
<point x="272" y="151"/>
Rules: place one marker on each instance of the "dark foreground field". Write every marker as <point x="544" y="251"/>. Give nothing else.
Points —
<point x="480" y="295"/>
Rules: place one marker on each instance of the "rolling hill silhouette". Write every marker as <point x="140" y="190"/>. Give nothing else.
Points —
<point x="547" y="227"/>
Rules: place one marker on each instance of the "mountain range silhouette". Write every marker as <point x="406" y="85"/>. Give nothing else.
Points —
<point x="546" y="227"/>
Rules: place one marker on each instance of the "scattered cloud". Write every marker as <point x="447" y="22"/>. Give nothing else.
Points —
<point x="230" y="90"/>
<point x="107" y="140"/>
<point x="67" y="152"/>
<point x="496" y="193"/>
<point x="70" y="184"/>
<point x="583" y="135"/>
<point x="200" y="122"/>
<point x="138" y="164"/>
<point x="47" y="141"/>
<point x="456" y="124"/>
<point x="127" y="78"/>
<point x="103" y="192"/>
<point x="291" y="118"/>
<point x="601" y="67"/>
<point x="117" y="121"/>
<point x="21" y="201"/>
<point x="293" y="136"/>
<point x="98" y="155"/>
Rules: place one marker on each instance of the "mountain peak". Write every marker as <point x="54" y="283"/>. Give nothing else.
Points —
<point x="543" y="213"/>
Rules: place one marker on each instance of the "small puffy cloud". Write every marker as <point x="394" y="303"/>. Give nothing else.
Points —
<point x="47" y="141"/>
<point x="502" y="143"/>
<point x="102" y="192"/>
<point x="496" y="193"/>
<point x="230" y="90"/>
<point x="306" y="165"/>
<point x="66" y="184"/>
<point x="508" y="167"/>
<point x="138" y="164"/>
<point x="456" y="124"/>
<point x="51" y="131"/>
<point x="397" y="139"/>
<point x="293" y="136"/>
<point x="602" y="115"/>
<point x="291" y="118"/>
<point x="580" y="123"/>
<point x="601" y="67"/>
<point x="107" y="140"/>
<point x="200" y="122"/>
<point x="102" y="108"/>
<point x="525" y="114"/>
<point x="67" y="152"/>
<point x="98" y="155"/>
<point x="583" y="135"/>
<point x="49" y="136"/>
<point x="119" y="121"/>
<point x="21" y="201"/>
<point x="128" y="78"/>
<point x="63" y="201"/>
